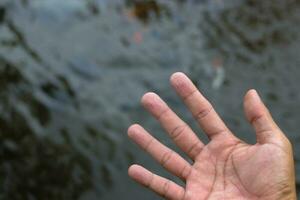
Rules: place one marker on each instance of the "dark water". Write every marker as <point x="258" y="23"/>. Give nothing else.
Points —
<point x="72" y="73"/>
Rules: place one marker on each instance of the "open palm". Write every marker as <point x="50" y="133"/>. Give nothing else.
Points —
<point x="226" y="167"/>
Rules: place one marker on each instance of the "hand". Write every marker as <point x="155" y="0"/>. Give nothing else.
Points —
<point x="226" y="167"/>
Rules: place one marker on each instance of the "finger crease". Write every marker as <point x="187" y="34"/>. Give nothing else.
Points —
<point x="149" y="144"/>
<point x="178" y="131"/>
<point x="189" y="95"/>
<point x="148" y="185"/>
<point x="197" y="145"/>
<point x="166" y="188"/>
<point x="183" y="196"/>
<point x="219" y="132"/>
<point x="255" y="119"/>
<point x="186" y="171"/>
<point x="264" y="135"/>
<point x="162" y="113"/>
<point x="166" y="157"/>
<point x="203" y="113"/>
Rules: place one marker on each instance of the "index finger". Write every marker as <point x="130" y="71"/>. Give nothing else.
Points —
<point x="200" y="107"/>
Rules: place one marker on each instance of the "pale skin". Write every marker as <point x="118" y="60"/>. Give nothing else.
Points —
<point x="224" y="168"/>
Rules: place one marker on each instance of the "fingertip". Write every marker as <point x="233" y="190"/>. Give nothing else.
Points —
<point x="149" y="98"/>
<point x="177" y="75"/>
<point x="182" y="84"/>
<point x="178" y="78"/>
<point x="153" y="103"/>
<point x="253" y="105"/>
<point x="250" y="91"/>
<point x="252" y="94"/>
<point x="133" y="129"/>
<point x="252" y="99"/>
<point x="138" y="173"/>
<point x="148" y="95"/>
<point x="133" y="169"/>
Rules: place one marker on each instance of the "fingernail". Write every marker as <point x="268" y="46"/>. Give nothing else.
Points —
<point x="255" y="95"/>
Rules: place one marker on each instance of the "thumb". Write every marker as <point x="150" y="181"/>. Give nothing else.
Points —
<point x="258" y="115"/>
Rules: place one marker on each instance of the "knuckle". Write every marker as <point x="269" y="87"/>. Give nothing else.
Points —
<point x="132" y="129"/>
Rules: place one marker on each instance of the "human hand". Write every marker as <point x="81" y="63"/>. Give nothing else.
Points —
<point x="226" y="167"/>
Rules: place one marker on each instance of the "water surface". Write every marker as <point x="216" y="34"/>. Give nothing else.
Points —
<point x="72" y="73"/>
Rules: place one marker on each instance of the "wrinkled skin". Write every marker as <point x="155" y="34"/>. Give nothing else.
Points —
<point x="226" y="167"/>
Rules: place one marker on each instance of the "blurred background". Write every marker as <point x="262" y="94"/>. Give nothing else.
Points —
<point x="72" y="73"/>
